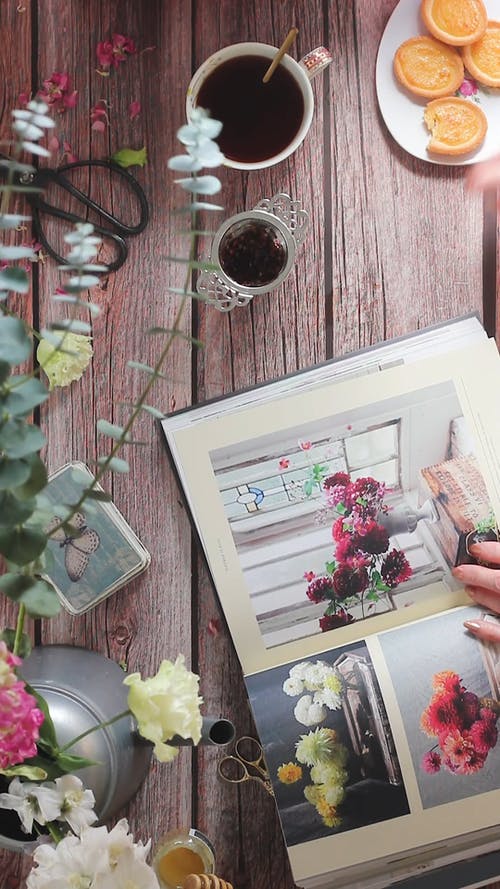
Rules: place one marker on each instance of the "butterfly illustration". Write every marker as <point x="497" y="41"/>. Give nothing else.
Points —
<point x="78" y="547"/>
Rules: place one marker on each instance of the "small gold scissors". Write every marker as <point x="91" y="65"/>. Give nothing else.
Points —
<point x="248" y="753"/>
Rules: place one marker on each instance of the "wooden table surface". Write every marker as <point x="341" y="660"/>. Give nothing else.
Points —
<point x="394" y="244"/>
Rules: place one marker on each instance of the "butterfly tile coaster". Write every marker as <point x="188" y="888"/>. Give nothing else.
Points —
<point x="102" y="553"/>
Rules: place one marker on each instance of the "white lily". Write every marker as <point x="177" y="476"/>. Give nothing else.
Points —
<point x="77" y="804"/>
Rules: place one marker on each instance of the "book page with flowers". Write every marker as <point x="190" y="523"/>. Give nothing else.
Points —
<point x="400" y="727"/>
<point x="335" y="512"/>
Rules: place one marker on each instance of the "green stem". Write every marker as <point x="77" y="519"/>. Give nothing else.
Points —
<point x="94" y="728"/>
<point x="56" y="834"/>
<point x="142" y="398"/>
<point x="19" y="628"/>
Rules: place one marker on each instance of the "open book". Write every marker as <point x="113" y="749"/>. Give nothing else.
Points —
<point x="331" y="505"/>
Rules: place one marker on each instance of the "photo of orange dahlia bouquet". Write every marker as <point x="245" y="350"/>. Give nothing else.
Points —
<point x="463" y="723"/>
<point x="363" y="568"/>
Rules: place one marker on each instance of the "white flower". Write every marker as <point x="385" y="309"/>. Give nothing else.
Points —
<point x="316" y="674"/>
<point x="308" y="713"/>
<point x="77" y="804"/>
<point x="293" y="686"/>
<point x="333" y="793"/>
<point x="298" y="671"/>
<point x="32" y="802"/>
<point x="328" y="698"/>
<point x="95" y="860"/>
<point x="130" y="872"/>
<point x="166" y="705"/>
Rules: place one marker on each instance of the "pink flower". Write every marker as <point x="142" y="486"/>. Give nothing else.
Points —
<point x="20" y="718"/>
<point x="134" y="109"/>
<point x="371" y="538"/>
<point x="319" y="589"/>
<point x="338" y="530"/>
<point x="341" y="618"/>
<point x="58" y="93"/>
<point x="349" y="581"/>
<point x="309" y="575"/>
<point x="468" y="87"/>
<point x="99" y="116"/>
<point x="431" y="762"/>
<point x="345" y="548"/>
<point x="484" y="734"/>
<point x="110" y="53"/>
<point x="458" y="746"/>
<point x="305" y="445"/>
<point x="284" y="463"/>
<point x="395" y="568"/>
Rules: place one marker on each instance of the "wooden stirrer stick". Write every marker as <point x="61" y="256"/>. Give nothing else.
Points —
<point x="285" y="46"/>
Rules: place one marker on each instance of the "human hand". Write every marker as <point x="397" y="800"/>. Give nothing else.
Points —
<point x="486" y="175"/>
<point x="483" y="586"/>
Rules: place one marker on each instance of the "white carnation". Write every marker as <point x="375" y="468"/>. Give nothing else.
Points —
<point x="316" y="674"/>
<point x="328" y="698"/>
<point x="293" y="686"/>
<point x="308" y="713"/>
<point x="299" y="670"/>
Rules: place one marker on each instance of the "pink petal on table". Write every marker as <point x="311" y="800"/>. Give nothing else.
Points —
<point x="134" y="109"/>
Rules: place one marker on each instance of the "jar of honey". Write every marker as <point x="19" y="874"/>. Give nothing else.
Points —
<point x="181" y="852"/>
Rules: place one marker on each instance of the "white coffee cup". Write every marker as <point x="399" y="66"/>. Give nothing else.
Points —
<point x="302" y="72"/>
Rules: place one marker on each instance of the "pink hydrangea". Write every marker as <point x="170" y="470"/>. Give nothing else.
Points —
<point x="20" y="718"/>
<point x="57" y="91"/>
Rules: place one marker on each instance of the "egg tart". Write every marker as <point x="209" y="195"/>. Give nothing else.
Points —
<point x="457" y="126"/>
<point x="482" y="59"/>
<point x="429" y="68"/>
<point x="456" y="22"/>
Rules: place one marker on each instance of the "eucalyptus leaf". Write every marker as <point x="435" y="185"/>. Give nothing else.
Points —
<point x="74" y="301"/>
<point x="23" y="545"/>
<point x="15" y="345"/>
<point x="5" y="371"/>
<point x="15" y="279"/>
<point x="37" y="479"/>
<point x="24" y="394"/>
<point x="18" y="439"/>
<point x="159" y="415"/>
<point x="11" y="220"/>
<point x="13" y="473"/>
<point x="14" y="511"/>
<point x="16" y="252"/>
<point x="200" y="184"/>
<point x="138" y="365"/>
<point x="115" y="464"/>
<point x="110" y="429"/>
<point x="72" y="325"/>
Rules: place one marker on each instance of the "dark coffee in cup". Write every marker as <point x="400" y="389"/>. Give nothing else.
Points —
<point x="259" y="120"/>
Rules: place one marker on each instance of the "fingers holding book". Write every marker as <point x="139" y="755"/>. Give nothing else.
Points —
<point x="482" y="582"/>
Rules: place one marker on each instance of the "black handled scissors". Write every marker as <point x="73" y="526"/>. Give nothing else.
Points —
<point x="248" y="755"/>
<point x="115" y="230"/>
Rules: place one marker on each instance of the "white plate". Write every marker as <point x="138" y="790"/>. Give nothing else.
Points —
<point x="403" y="114"/>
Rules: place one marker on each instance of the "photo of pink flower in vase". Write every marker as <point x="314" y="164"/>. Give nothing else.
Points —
<point x="463" y="724"/>
<point x="363" y="568"/>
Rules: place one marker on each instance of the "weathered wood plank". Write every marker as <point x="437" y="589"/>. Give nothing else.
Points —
<point x="406" y="238"/>
<point x="276" y="333"/>
<point x="150" y="619"/>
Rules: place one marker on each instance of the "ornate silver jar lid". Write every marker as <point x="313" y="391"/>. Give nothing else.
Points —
<point x="254" y="251"/>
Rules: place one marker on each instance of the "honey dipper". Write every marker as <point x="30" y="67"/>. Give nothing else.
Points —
<point x="205" y="881"/>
